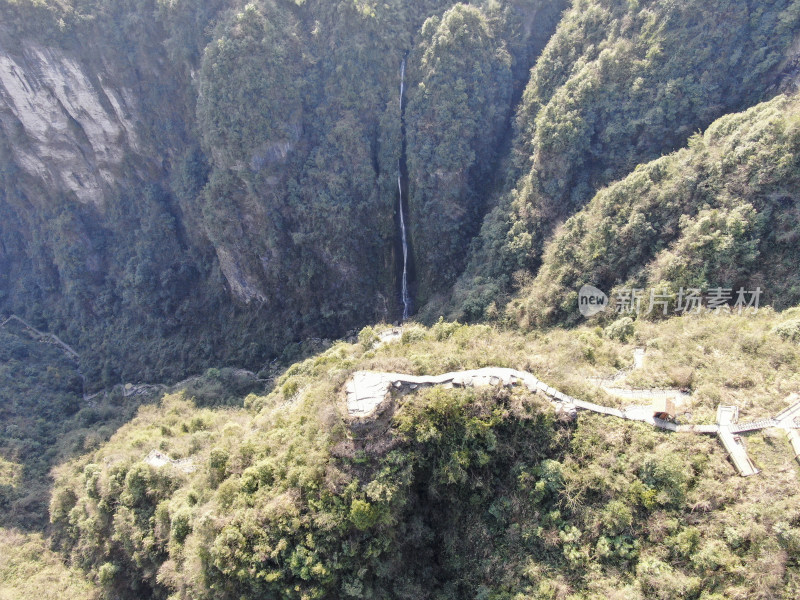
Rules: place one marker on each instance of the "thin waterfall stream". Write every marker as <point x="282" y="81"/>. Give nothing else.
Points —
<point x="405" y="295"/>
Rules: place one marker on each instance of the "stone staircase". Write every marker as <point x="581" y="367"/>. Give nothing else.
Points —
<point x="754" y="425"/>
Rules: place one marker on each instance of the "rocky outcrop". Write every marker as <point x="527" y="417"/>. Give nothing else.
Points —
<point x="368" y="393"/>
<point x="159" y="459"/>
<point x="243" y="285"/>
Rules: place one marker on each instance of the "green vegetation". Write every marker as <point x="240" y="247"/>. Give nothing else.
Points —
<point x="255" y="207"/>
<point x="29" y="569"/>
<point x="281" y="498"/>
<point x="254" y="204"/>
<point x="455" y="116"/>
<point x="720" y="213"/>
<point x="126" y="282"/>
<point x="43" y="424"/>
<point x="307" y="145"/>
<point x="619" y="83"/>
<point x="46" y="420"/>
<point x="247" y="157"/>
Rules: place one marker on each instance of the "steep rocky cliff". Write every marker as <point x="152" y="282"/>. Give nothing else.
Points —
<point x="102" y="236"/>
<point x="182" y="187"/>
<point x="75" y="131"/>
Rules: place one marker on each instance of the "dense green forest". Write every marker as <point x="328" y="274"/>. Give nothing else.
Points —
<point x="249" y="156"/>
<point x="47" y="417"/>
<point x="252" y="202"/>
<point x="619" y="84"/>
<point x="462" y="493"/>
<point x="719" y="213"/>
<point x="198" y="198"/>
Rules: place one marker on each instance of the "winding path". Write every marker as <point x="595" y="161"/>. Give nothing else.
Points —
<point x="42" y="335"/>
<point x="369" y="396"/>
<point x="54" y="339"/>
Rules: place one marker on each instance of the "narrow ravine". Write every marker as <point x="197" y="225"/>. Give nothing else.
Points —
<point x="405" y="293"/>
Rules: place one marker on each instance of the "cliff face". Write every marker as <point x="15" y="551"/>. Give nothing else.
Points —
<point x="100" y="238"/>
<point x="183" y="187"/>
<point x="206" y="186"/>
<point x="70" y="127"/>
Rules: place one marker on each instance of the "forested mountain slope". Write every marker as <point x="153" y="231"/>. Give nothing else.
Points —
<point x="190" y="185"/>
<point x="619" y="84"/>
<point x="721" y="213"/>
<point x="450" y="494"/>
<point x="185" y="186"/>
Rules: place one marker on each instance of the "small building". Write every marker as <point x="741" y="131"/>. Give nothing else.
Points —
<point x="664" y="408"/>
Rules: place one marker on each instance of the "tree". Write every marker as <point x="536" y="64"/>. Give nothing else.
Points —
<point x="455" y="118"/>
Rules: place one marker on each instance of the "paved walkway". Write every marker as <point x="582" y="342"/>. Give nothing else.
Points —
<point x="367" y="391"/>
<point x="610" y="385"/>
<point x="727" y="416"/>
<point x="369" y="395"/>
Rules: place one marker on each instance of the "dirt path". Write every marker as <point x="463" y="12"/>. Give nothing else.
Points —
<point x="53" y="338"/>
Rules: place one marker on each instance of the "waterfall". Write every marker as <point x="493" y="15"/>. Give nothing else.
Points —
<point x="402" y="84"/>
<point x="404" y="294"/>
<point x="406" y="297"/>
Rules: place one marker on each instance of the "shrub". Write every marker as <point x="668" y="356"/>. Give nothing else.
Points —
<point x="106" y="573"/>
<point x="790" y="330"/>
<point x="363" y="515"/>
<point x="620" y="330"/>
<point x="367" y="337"/>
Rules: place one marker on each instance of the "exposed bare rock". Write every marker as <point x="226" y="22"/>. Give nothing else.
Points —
<point x="368" y="392"/>
<point x="159" y="459"/>
<point x="244" y="286"/>
<point x="70" y="129"/>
